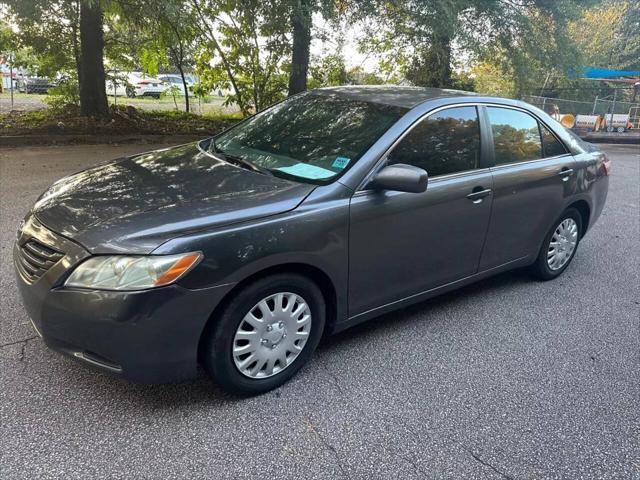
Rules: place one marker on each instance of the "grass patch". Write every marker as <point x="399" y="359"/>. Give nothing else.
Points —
<point x="124" y="120"/>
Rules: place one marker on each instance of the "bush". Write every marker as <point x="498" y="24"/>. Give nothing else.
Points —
<point x="64" y="97"/>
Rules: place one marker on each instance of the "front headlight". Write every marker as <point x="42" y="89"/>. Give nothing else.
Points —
<point x="119" y="272"/>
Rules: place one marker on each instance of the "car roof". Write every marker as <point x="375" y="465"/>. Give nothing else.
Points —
<point x="398" y="96"/>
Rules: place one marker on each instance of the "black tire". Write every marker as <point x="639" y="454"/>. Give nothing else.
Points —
<point x="541" y="268"/>
<point x="131" y="93"/>
<point x="217" y="341"/>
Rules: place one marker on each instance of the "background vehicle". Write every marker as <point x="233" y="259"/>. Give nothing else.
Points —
<point x="34" y="84"/>
<point x="134" y="84"/>
<point x="240" y="251"/>
<point x="173" y="80"/>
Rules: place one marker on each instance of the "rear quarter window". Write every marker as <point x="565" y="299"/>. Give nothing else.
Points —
<point x="552" y="147"/>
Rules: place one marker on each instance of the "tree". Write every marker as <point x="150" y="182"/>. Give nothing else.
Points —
<point x="490" y="78"/>
<point x="50" y="31"/>
<point x="167" y="32"/>
<point x="53" y="29"/>
<point x="426" y="35"/>
<point x="630" y="34"/>
<point x="8" y="39"/>
<point x="329" y="70"/>
<point x="608" y="35"/>
<point x="91" y="76"/>
<point x="246" y="46"/>
<point x="301" y="19"/>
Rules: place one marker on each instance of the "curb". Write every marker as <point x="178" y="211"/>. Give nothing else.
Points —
<point x="613" y="138"/>
<point x="32" y="140"/>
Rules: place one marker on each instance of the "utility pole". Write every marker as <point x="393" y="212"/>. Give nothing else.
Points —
<point x="11" y="77"/>
<point x="613" y="109"/>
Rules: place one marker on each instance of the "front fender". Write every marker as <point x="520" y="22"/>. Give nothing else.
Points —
<point x="314" y="234"/>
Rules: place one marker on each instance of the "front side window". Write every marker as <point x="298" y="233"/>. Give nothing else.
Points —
<point x="312" y="137"/>
<point x="516" y="136"/>
<point x="446" y="142"/>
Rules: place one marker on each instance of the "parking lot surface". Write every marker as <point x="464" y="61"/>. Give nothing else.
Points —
<point x="509" y="378"/>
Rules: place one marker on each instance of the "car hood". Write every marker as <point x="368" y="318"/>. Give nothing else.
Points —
<point x="137" y="203"/>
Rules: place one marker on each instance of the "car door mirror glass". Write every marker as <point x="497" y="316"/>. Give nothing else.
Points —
<point x="400" y="178"/>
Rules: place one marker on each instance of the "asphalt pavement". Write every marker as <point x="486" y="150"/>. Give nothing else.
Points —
<point x="507" y="379"/>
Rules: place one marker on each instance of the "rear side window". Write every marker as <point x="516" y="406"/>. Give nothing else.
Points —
<point x="446" y="142"/>
<point x="516" y="136"/>
<point x="551" y="145"/>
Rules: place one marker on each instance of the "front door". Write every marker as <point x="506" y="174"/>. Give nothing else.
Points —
<point x="402" y="244"/>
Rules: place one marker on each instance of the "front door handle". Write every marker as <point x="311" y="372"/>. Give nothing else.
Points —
<point x="565" y="173"/>
<point x="478" y="194"/>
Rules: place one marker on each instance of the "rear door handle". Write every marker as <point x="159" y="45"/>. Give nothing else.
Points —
<point x="478" y="194"/>
<point x="565" y="173"/>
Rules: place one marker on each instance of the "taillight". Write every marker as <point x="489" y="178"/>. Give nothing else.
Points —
<point x="606" y="167"/>
<point x="143" y="82"/>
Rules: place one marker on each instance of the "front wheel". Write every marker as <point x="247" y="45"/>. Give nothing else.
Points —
<point x="559" y="246"/>
<point x="264" y="334"/>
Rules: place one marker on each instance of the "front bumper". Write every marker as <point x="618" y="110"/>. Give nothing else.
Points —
<point x="148" y="336"/>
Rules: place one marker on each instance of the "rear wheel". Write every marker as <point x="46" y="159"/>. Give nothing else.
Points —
<point x="265" y="334"/>
<point x="559" y="246"/>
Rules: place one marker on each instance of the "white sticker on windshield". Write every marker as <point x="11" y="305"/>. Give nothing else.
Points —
<point x="305" y="170"/>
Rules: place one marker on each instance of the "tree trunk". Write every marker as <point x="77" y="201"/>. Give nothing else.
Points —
<point x="178" y="59"/>
<point x="443" y="46"/>
<point x="301" y="26"/>
<point x="93" y="96"/>
<point x="438" y="62"/>
<point x="186" y="88"/>
<point x="432" y="67"/>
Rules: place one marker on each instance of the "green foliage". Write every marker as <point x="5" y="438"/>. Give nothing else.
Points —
<point x="424" y="37"/>
<point x="608" y="35"/>
<point x="124" y="121"/>
<point x="245" y="50"/>
<point x="48" y="34"/>
<point x="629" y="57"/>
<point x="64" y="97"/>
<point x="493" y="78"/>
<point x="498" y="47"/>
<point x="8" y="39"/>
<point x="153" y="56"/>
<point x="326" y="71"/>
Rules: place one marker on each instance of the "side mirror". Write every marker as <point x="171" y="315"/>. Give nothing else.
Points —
<point x="400" y="178"/>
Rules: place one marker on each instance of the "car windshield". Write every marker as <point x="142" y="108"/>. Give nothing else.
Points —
<point x="313" y="137"/>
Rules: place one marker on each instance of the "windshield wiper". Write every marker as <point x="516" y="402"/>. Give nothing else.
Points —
<point x="240" y="161"/>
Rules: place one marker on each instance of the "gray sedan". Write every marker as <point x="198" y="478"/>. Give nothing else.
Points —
<point x="240" y="251"/>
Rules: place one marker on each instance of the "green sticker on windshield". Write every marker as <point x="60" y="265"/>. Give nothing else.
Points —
<point x="340" y="162"/>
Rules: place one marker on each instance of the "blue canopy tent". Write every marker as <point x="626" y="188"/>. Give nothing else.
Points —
<point x="594" y="72"/>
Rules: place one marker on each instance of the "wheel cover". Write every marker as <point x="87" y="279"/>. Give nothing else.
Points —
<point x="563" y="243"/>
<point x="271" y="335"/>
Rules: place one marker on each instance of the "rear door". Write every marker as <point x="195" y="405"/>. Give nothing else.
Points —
<point x="533" y="175"/>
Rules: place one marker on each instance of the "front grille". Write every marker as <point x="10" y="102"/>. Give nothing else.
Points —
<point x="36" y="258"/>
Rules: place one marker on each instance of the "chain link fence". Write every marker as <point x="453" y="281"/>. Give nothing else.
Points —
<point x="599" y="106"/>
<point x="602" y="107"/>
